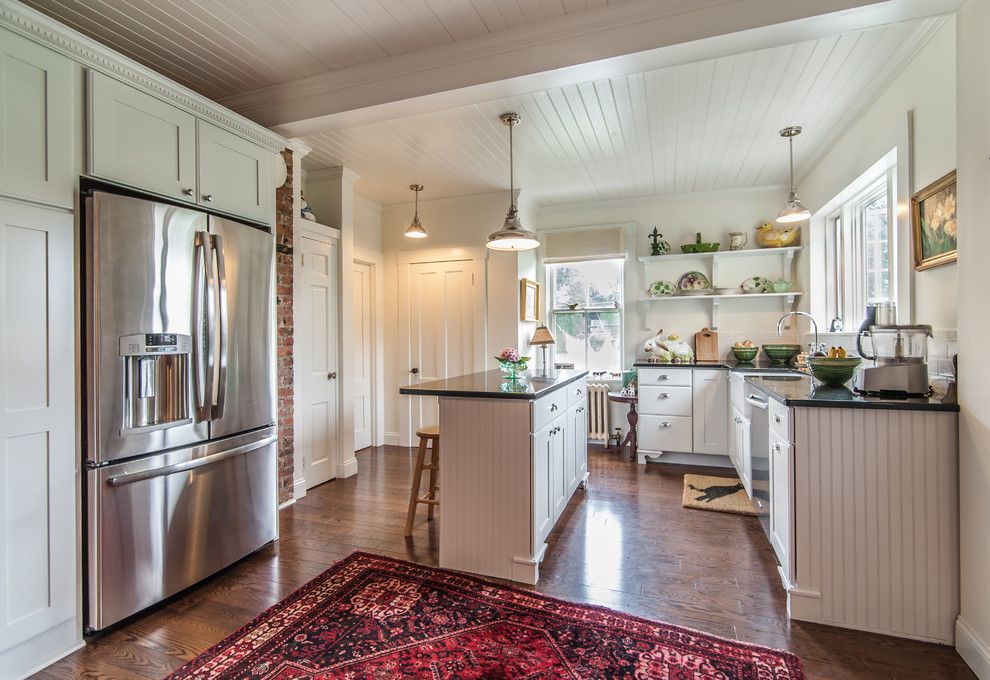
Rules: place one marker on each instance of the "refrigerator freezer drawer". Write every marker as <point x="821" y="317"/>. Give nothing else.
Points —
<point x="161" y="524"/>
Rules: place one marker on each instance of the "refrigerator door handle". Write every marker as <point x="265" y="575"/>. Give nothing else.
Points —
<point x="202" y="328"/>
<point x="120" y="480"/>
<point x="222" y="328"/>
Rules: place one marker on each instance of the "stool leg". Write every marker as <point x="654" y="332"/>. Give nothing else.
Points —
<point x="435" y="465"/>
<point x="414" y="486"/>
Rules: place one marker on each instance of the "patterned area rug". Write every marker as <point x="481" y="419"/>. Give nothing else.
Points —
<point x="721" y="494"/>
<point x="375" y="617"/>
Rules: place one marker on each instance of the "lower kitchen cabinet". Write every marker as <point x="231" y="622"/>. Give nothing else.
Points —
<point x="739" y="451"/>
<point x="683" y="410"/>
<point x="38" y="455"/>
<point x="711" y="403"/>
<point x="781" y="504"/>
<point x="543" y="501"/>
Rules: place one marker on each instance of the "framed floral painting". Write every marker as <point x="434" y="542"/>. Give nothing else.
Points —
<point x="933" y="221"/>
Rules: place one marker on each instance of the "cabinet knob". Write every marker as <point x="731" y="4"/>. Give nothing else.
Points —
<point x="414" y="371"/>
<point x="579" y="409"/>
<point x="579" y="391"/>
<point x="208" y="198"/>
<point x="776" y="419"/>
<point x="187" y="192"/>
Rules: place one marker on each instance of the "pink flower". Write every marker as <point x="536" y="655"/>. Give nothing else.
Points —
<point x="509" y="354"/>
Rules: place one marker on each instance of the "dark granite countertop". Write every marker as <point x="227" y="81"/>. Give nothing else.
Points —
<point x="493" y="385"/>
<point x="806" y="391"/>
<point x="728" y="364"/>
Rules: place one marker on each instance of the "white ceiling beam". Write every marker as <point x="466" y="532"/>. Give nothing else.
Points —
<point x="629" y="37"/>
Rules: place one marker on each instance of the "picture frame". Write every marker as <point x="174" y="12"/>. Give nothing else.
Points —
<point x="933" y="223"/>
<point x="530" y="295"/>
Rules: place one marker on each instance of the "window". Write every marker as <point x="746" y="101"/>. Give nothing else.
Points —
<point x="586" y="313"/>
<point x="858" y="253"/>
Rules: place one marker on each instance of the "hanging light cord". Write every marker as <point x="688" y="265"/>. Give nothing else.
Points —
<point x="512" y="185"/>
<point x="790" y="141"/>
<point x="416" y="211"/>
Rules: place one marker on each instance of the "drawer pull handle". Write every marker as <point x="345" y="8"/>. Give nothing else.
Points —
<point x="664" y="395"/>
<point x="776" y="419"/>
<point x="663" y="376"/>
<point x="553" y="407"/>
<point x="580" y="409"/>
<point x="664" y="424"/>
<point x="579" y="391"/>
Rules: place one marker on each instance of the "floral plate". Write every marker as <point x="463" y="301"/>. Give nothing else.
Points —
<point x="662" y="289"/>
<point x="694" y="281"/>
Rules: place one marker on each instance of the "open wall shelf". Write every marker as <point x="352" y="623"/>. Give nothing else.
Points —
<point x="787" y="252"/>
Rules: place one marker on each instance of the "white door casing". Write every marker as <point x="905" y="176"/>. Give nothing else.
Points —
<point x="316" y="350"/>
<point x="364" y="337"/>
<point x="442" y="327"/>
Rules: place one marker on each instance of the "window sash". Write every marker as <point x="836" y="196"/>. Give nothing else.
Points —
<point x="587" y="311"/>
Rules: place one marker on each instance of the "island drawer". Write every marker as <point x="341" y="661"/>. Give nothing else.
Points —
<point x="664" y="376"/>
<point x="780" y="419"/>
<point x="577" y="392"/>
<point x="546" y="409"/>
<point x="666" y="433"/>
<point x="665" y="401"/>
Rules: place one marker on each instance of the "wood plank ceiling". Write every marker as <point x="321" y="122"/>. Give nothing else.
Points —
<point x="225" y="47"/>
<point x="710" y="125"/>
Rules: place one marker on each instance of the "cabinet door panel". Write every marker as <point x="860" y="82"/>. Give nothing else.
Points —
<point x="558" y="475"/>
<point x="581" y="432"/>
<point x="37" y="126"/>
<point x="38" y="484"/>
<point x="665" y="433"/>
<point x="570" y="451"/>
<point x="711" y="405"/>
<point x="542" y="501"/>
<point x="234" y="175"/>
<point x="781" y="502"/>
<point x="141" y="141"/>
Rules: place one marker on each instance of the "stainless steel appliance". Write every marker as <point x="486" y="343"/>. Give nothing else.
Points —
<point x="180" y="407"/>
<point x="759" y="448"/>
<point x="899" y="354"/>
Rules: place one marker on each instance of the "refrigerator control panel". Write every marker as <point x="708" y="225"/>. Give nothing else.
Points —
<point x="154" y="343"/>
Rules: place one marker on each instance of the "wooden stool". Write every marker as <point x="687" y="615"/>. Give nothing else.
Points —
<point x="430" y="433"/>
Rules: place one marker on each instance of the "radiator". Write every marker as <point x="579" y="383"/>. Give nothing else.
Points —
<point x="598" y="412"/>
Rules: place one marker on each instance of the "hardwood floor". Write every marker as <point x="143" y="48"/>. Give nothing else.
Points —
<point x="626" y="543"/>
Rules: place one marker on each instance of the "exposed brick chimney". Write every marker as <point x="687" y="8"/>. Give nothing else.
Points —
<point x="284" y="324"/>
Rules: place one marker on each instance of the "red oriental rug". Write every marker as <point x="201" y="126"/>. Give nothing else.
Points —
<point x="375" y="617"/>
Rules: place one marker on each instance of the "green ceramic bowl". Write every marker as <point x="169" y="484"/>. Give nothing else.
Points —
<point x="833" y="372"/>
<point x="745" y="354"/>
<point x="781" y="354"/>
<point x="689" y="248"/>
<point x="706" y="247"/>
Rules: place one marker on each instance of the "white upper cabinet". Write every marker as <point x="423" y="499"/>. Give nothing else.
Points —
<point x="141" y="141"/>
<point x="234" y="174"/>
<point x="37" y="143"/>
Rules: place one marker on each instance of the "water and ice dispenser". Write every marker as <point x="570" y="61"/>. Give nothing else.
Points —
<point x="156" y="381"/>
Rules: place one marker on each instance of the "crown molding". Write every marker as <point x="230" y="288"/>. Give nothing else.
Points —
<point x="93" y="55"/>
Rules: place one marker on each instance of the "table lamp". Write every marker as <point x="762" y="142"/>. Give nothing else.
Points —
<point x="543" y="338"/>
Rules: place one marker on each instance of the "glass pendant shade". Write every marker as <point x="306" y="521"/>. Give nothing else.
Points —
<point x="793" y="210"/>
<point x="415" y="228"/>
<point x="512" y="236"/>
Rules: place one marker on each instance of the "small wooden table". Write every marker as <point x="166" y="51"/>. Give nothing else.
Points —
<point x="632" y="417"/>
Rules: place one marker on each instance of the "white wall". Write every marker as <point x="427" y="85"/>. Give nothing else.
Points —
<point x="973" y="155"/>
<point x="678" y="217"/>
<point x="452" y="225"/>
<point x="367" y="224"/>
<point x="926" y="86"/>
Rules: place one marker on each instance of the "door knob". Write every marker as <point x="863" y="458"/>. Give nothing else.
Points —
<point x="332" y="375"/>
<point x="414" y="371"/>
<point x="187" y="192"/>
<point x="208" y="198"/>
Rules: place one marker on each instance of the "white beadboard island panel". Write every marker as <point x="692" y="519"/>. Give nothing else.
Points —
<point x="877" y="520"/>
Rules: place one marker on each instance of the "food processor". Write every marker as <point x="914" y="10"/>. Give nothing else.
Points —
<point x="898" y="355"/>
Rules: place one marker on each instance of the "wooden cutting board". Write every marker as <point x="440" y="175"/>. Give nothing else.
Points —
<point x="706" y="345"/>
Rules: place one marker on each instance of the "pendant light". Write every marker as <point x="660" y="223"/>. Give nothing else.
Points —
<point x="415" y="229"/>
<point x="512" y="236"/>
<point x="793" y="210"/>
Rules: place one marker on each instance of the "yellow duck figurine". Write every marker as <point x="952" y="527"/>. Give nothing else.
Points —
<point x="768" y="235"/>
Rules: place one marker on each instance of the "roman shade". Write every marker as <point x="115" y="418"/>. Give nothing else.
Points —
<point x="578" y="245"/>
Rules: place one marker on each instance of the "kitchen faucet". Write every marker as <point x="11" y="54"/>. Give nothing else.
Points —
<point x="815" y="348"/>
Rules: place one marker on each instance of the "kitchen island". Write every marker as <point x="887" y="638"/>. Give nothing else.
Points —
<point x="862" y="507"/>
<point x="512" y="455"/>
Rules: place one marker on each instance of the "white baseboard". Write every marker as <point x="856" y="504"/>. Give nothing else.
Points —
<point x="298" y="488"/>
<point x="21" y="660"/>
<point x="685" y="459"/>
<point x="391" y="439"/>
<point x="347" y="468"/>
<point x="974" y="650"/>
<point x="283" y="506"/>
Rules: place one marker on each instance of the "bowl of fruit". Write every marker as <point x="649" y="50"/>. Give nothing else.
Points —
<point x="745" y="351"/>
<point x="836" y="368"/>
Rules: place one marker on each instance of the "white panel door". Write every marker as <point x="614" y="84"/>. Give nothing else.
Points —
<point x="37" y="126"/>
<point x="141" y="141"/>
<point x="38" y="455"/>
<point x="234" y="174"/>
<point x="442" y="342"/>
<point x="711" y="409"/>
<point x="316" y="348"/>
<point x="363" y="353"/>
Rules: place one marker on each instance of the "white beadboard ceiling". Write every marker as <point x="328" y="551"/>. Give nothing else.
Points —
<point x="702" y="126"/>
<point x="225" y="47"/>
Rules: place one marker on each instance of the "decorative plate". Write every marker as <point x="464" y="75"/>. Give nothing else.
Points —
<point x="662" y="289"/>
<point x="757" y="284"/>
<point x="694" y="281"/>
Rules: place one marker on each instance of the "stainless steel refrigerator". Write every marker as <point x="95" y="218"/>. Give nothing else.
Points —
<point x="180" y="452"/>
